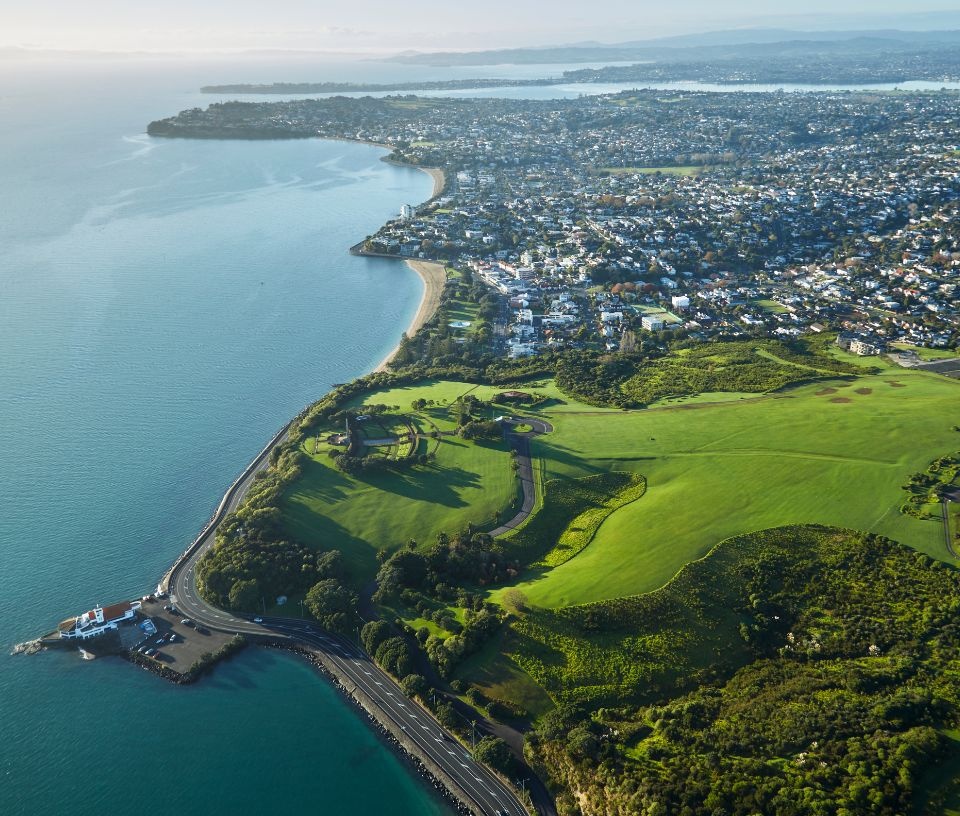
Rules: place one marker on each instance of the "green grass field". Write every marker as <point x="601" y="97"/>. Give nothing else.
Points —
<point x="501" y="678"/>
<point x="770" y="306"/>
<point x="834" y="452"/>
<point x="467" y="483"/>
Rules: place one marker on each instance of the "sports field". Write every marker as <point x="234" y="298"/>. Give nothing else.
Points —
<point x="835" y="452"/>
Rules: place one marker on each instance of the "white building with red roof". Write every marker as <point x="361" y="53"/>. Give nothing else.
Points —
<point x="98" y="620"/>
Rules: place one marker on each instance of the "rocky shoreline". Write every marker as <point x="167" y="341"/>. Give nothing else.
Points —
<point x="427" y="770"/>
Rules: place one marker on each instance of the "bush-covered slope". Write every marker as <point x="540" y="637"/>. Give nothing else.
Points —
<point x="822" y="666"/>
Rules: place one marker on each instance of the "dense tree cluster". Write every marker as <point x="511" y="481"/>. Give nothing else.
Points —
<point x="468" y="556"/>
<point x="494" y="752"/>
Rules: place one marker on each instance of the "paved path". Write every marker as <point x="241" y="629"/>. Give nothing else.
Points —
<point x="947" y="538"/>
<point x="520" y="442"/>
<point x="485" y="792"/>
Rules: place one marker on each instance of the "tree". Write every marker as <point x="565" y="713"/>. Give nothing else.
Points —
<point x="330" y="603"/>
<point x="414" y="685"/>
<point x="494" y="752"/>
<point x="373" y="634"/>
<point x="515" y="601"/>
<point x="446" y="715"/>
<point x="244" y="595"/>
<point x="393" y="655"/>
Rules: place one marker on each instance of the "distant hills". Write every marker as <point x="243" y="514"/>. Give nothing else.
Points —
<point x="714" y="45"/>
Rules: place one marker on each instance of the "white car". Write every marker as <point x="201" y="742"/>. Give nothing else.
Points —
<point x="258" y="620"/>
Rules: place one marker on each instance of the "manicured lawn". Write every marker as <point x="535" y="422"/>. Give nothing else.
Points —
<point x="328" y="509"/>
<point x="556" y="400"/>
<point x="770" y="306"/>
<point x="442" y="392"/>
<point x="835" y="452"/>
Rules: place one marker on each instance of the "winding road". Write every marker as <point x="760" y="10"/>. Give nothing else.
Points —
<point x="478" y="787"/>
<point x="521" y="444"/>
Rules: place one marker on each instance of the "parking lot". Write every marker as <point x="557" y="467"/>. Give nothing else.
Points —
<point x="189" y="642"/>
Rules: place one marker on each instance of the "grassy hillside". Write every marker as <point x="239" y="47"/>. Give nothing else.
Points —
<point x="747" y="594"/>
<point x="834" y="452"/>
<point x="467" y="482"/>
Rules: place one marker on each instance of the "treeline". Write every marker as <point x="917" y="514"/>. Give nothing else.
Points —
<point x="395" y="655"/>
<point x="438" y="343"/>
<point x="251" y="559"/>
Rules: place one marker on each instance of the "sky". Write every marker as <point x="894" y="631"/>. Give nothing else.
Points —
<point x="372" y="26"/>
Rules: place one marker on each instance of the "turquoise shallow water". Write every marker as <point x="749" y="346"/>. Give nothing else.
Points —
<point x="164" y="307"/>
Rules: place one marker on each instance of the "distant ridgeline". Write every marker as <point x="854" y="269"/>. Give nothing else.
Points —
<point x="849" y="57"/>
<point x="367" y="87"/>
<point x="744" y="57"/>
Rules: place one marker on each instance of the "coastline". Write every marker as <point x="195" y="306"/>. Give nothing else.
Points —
<point x="438" y="176"/>
<point x="434" y="277"/>
<point x="439" y="180"/>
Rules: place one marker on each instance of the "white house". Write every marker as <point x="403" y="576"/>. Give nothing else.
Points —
<point x="98" y="620"/>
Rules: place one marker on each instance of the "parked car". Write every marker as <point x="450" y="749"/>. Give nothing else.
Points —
<point x="186" y="622"/>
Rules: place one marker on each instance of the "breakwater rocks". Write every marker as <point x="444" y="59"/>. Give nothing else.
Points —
<point x="203" y="664"/>
<point x="157" y="668"/>
<point x="427" y="769"/>
<point x="29" y="648"/>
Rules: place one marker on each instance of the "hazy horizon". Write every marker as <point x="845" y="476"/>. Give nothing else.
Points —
<point x="378" y="27"/>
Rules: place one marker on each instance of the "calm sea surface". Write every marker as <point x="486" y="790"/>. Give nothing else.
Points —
<point x="164" y="307"/>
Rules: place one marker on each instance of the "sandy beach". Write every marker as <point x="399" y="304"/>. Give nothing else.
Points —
<point x="434" y="277"/>
<point x="439" y="180"/>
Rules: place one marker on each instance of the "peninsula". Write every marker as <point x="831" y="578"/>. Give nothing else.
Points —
<point x="635" y="489"/>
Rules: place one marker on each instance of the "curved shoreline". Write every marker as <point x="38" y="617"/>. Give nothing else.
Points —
<point x="434" y="277"/>
<point x="433" y="274"/>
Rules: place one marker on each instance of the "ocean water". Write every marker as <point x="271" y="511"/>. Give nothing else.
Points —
<point x="164" y="307"/>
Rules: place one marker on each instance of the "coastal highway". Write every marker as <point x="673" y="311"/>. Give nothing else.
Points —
<point x="487" y="793"/>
